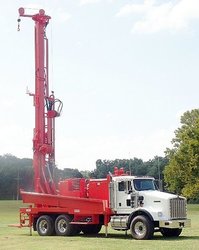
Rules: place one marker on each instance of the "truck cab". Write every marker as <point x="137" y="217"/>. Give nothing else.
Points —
<point x="138" y="205"/>
<point x="125" y="191"/>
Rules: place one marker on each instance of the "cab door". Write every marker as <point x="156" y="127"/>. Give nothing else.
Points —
<point x="123" y="196"/>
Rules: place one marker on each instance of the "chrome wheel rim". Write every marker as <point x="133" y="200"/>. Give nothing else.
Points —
<point x="140" y="228"/>
<point x="43" y="226"/>
<point x="62" y="226"/>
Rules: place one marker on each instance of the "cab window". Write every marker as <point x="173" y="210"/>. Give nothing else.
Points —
<point x="121" y="186"/>
<point x="125" y="186"/>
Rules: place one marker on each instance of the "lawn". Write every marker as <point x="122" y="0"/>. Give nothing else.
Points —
<point x="14" y="238"/>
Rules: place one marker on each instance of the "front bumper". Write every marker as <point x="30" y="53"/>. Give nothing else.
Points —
<point x="175" y="223"/>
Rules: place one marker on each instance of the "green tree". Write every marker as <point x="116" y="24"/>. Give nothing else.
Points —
<point x="155" y="167"/>
<point x="61" y="174"/>
<point x="182" y="172"/>
<point x="15" y="173"/>
<point x="134" y="166"/>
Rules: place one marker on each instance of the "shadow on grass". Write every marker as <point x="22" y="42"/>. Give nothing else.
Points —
<point x="129" y="237"/>
<point x="120" y="236"/>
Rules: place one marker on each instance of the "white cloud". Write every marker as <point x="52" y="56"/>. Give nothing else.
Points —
<point x="135" y="8"/>
<point x="154" y="17"/>
<point x="61" y="16"/>
<point x="85" y="2"/>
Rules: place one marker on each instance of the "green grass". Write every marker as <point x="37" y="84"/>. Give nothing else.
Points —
<point x="14" y="238"/>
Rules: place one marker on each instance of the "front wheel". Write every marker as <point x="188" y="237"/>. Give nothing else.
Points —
<point x="142" y="228"/>
<point x="170" y="232"/>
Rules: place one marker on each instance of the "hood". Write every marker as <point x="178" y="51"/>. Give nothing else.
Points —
<point x="158" y="194"/>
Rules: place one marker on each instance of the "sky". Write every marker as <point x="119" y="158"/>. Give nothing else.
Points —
<point x="125" y="71"/>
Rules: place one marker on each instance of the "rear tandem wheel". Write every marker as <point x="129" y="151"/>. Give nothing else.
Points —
<point x="63" y="226"/>
<point x="45" y="225"/>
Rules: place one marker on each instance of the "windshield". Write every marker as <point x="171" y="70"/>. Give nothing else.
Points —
<point x="144" y="184"/>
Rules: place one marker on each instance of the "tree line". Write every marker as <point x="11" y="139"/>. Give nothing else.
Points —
<point x="18" y="173"/>
<point x="15" y="173"/>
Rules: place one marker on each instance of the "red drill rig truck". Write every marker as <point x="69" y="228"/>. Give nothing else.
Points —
<point x="83" y="205"/>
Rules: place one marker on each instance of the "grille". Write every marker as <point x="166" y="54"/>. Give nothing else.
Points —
<point x="178" y="208"/>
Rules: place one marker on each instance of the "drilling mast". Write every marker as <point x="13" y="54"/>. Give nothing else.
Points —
<point x="47" y="107"/>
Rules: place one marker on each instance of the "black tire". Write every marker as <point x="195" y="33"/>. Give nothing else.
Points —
<point x="91" y="229"/>
<point x="63" y="226"/>
<point x="170" y="232"/>
<point x="45" y="225"/>
<point x="142" y="228"/>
